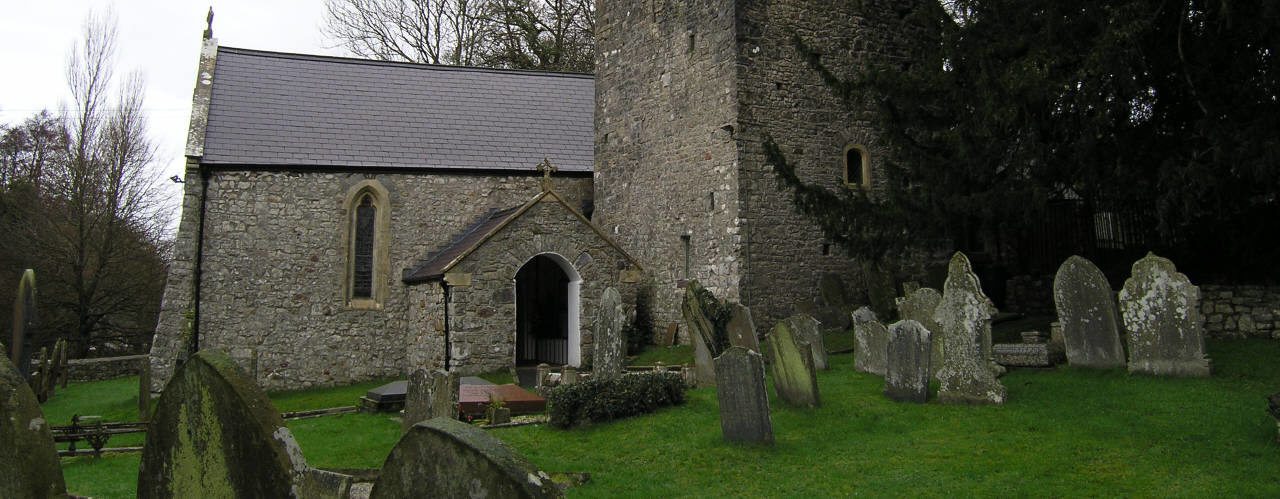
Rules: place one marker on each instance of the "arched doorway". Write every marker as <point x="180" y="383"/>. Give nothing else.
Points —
<point x="547" y="309"/>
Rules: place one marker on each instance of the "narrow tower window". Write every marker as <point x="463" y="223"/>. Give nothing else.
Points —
<point x="857" y="167"/>
<point x="684" y="239"/>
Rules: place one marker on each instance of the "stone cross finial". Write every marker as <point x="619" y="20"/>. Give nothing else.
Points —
<point x="547" y="169"/>
<point x="208" y="32"/>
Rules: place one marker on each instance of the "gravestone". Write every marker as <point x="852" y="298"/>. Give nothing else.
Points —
<point x="610" y="341"/>
<point x="907" y="371"/>
<point x="744" y="403"/>
<point x="871" y="342"/>
<point x="28" y="457"/>
<point x="741" y="329"/>
<point x="24" y="323"/>
<point x="668" y="336"/>
<point x="792" y="364"/>
<point x="808" y="330"/>
<point x="214" y="433"/>
<point x="430" y="395"/>
<point x="964" y="318"/>
<point x="1087" y="311"/>
<point x="701" y="333"/>
<point x="1161" y="311"/>
<point x="918" y="305"/>
<point x="447" y="458"/>
<point x="144" y="392"/>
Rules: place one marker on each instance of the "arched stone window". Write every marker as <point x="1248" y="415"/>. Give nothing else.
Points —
<point x="366" y="245"/>
<point x="857" y="166"/>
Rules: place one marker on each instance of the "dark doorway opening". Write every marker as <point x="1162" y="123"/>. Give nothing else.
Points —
<point x="542" y="313"/>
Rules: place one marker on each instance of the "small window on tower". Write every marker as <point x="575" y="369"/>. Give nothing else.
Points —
<point x="857" y="167"/>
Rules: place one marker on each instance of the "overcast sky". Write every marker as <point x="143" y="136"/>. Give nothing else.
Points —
<point x="159" y="38"/>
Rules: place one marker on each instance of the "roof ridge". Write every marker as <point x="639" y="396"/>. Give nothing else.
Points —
<point x="410" y="65"/>
<point x="462" y="235"/>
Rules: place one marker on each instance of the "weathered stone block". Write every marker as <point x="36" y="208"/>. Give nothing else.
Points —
<point x="24" y="323"/>
<point x="918" y="305"/>
<point x="1025" y="354"/>
<point x="744" y="402"/>
<point x="27" y="453"/>
<point x="791" y="361"/>
<point x="430" y="395"/>
<point x="741" y="329"/>
<point x="871" y="342"/>
<point x="808" y="330"/>
<point x="610" y="340"/>
<point x="907" y="371"/>
<point x="964" y="315"/>
<point x="447" y="458"/>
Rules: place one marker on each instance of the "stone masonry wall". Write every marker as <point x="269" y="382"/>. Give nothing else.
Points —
<point x="666" y="162"/>
<point x="1240" y="311"/>
<point x="488" y="305"/>
<point x="783" y="98"/>
<point x="274" y="268"/>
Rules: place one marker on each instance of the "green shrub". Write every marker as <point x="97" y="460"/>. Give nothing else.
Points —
<point x="597" y="400"/>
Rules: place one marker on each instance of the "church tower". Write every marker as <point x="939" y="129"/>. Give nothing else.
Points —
<point x="687" y="94"/>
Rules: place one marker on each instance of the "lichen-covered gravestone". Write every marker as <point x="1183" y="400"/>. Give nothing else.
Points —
<point x="28" y="457"/>
<point x="870" y="342"/>
<point x="964" y="317"/>
<point x="24" y="322"/>
<point x="744" y="403"/>
<point x="792" y="364"/>
<point x="610" y="341"/>
<point x="701" y="333"/>
<point x="447" y="458"/>
<point x="215" y="434"/>
<point x="808" y="330"/>
<point x="430" y="395"/>
<point x="741" y="329"/>
<point x="907" y="371"/>
<point x="1161" y="311"/>
<point x="918" y="305"/>
<point x="1087" y="310"/>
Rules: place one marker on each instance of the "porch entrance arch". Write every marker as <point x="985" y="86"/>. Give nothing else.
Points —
<point x="547" y="309"/>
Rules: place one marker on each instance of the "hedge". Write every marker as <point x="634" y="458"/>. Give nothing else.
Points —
<point x="596" y="400"/>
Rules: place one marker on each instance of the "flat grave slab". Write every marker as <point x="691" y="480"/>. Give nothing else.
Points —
<point x="473" y="399"/>
<point x="385" y="398"/>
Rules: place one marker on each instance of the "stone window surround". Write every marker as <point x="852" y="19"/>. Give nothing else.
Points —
<point x="865" y="168"/>
<point x="381" y="244"/>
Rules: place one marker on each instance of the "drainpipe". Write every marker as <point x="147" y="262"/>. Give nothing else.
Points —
<point x="447" y="350"/>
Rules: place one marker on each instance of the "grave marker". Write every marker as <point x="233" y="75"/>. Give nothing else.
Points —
<point x="27" y="453"/>
<point x="808" y="330"/>
<point x="744" y="403"/>
<point x="907" y="371"/>
<point x="1161" y="311"/>
<point x="871" y="342"/>
<point x="1087" y="311"/>
<point x="741" y="329"/>
<point x="610" y="341"/>
<point x="919" y="305"/>
<point x="431" y="394"/>
<point x="964" y="316"/>
<point x="792" y="364"/>
<point x="24" y="323"/>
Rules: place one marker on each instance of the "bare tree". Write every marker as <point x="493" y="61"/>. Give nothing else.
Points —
<point x="549" y="35"/>
<point x="98" y="224"/>
<point x="428" y="31"/>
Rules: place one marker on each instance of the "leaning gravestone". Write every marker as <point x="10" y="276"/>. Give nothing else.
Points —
<point x="24" y="323"/>
<point x="741" y="329"/>
<point x="808" y="330"/>
<point x="701" y="334"/>
<point x="430" y="395"/>
<point x="792" y="363"/>
<point x="918" y="305"/>
<point x="447" y="458"/>
<point x="871" y="342"/>
<point x="215" y="434"/>
<point x="1161" y="310"/>
<point x="744" y="403"/>
<point x="1087" y="311"/>
<point x="964" y="317"/>
<point x="907" y="371"/>
<point x="610" y="341"/>
<point x="27" y="453"/>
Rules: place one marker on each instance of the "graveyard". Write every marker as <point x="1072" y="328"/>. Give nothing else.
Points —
<point x="1066" y="431"/>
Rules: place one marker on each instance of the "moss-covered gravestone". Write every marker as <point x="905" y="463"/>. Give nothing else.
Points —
<point x="870" y="342"/>
<point x="215" y="434"/>
<point x="701" y="333"/>
<point x="791" y="361"/>
<point x="742" y="329"/>
<point x="744" y="403"/>
<point x="29" y="466"/>
<point x="1161" y="311"/>
<point x="1087" y="311"/>
<point x="24" y="323"/>
<point x="610" y="347"/>
<point x="907" y="371"/>
<point x="446" y="458"/>
<point x="964" y="317"/>
<point x="808" y="330"/>
<point x="918" y="305"/>
<point x="431" y="394"/>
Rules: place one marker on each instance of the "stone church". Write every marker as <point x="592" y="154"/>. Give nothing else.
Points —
<point x="347" y="219"/>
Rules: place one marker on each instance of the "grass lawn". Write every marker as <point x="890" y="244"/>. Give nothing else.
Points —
<point x="1064" y="432"/>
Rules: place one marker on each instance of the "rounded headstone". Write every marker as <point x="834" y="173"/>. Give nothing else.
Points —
<point x="447" y="458"/>
<point x="27" y="453"/>
<point x="1161" y="311"/>
<point x="1087" y="311"/>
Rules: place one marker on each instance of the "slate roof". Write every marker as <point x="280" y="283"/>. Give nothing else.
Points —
<point x="276" y="109"/>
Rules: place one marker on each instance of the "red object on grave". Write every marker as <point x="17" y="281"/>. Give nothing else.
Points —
<point x="474" y="399"/>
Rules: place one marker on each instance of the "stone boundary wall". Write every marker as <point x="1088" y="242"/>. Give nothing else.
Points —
<point x="105" y="368"/>
<point x="1240" y="311"/>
